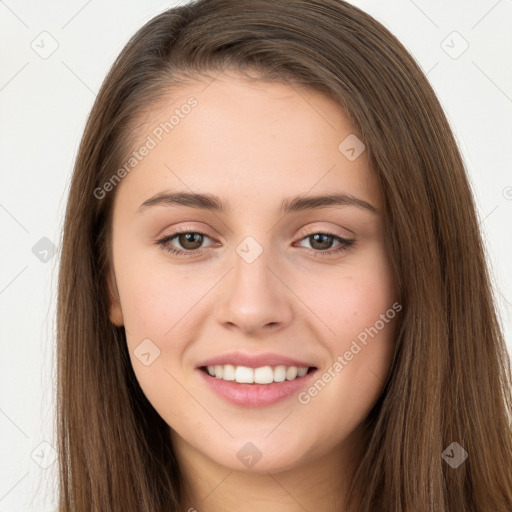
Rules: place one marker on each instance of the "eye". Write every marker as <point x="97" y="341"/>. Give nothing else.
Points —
<point x="321" y="243"/>
<point x="191" y="241"/>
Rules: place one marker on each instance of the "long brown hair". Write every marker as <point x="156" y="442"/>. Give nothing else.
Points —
<point x="450" y="378"/>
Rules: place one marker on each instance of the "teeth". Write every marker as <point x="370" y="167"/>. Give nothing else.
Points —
<point x="242" y="374"/>
<point x="262" y="375"/>
<point x="280" y="373"/>
<point x="301" y="371"/>
<point x="229" y="372"/>
<point x="291" y="373"/>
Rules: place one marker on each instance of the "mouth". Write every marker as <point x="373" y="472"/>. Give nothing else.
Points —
<point x="256" y="379"/>
<point x="263" y="375"/>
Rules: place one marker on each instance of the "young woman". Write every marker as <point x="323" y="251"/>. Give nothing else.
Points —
<point x="272" y="289"/>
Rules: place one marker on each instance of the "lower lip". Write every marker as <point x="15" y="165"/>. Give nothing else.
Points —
<point x="256" y="395"/>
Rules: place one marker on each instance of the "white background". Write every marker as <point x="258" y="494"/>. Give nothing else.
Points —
<point x="43" y="107"/>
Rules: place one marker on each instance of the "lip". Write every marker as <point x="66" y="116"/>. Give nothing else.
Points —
<point x="254" y="360"/>
<point x="256" y="395"/>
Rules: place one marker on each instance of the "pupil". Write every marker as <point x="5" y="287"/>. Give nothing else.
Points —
<point x="188" y="238"/>
<point x="326" y="240"/>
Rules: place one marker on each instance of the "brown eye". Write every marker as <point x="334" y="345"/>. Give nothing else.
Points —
<point x="321" y="244"/>
<point x="190" y="241"/>
<point x="321" y="241"/>
<point x="183" y="243"/>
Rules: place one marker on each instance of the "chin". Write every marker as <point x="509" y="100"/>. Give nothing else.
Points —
<point x="259" y="456"/>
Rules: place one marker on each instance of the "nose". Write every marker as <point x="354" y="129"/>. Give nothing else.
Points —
<point x="254" y="298"/>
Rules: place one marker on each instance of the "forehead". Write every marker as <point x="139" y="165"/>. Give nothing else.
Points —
<point x="239" y="139"/>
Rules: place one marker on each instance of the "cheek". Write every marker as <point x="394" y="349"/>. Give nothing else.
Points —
<point x="352" y="298"/>
<point x="156" y="303"/>
<point x="156" y="311"/>
<point x="355" y="378"/>
<point x="360" y="310"/>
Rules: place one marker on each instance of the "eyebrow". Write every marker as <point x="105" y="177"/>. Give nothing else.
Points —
<point x="214" y="203"/>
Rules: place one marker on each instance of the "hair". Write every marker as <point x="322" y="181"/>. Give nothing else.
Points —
<point x="450" y="377"/>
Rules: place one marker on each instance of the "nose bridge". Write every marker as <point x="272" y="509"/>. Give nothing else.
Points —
<point x="253" y="297"/>
<point x="251" y="266"/>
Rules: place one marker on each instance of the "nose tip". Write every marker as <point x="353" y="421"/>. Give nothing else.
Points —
<point x="252" y="298"/>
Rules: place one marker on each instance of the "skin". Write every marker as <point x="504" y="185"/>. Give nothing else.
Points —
<point x="254" y="144"/>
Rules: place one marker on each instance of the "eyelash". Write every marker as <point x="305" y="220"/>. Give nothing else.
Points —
<point x="163" y="243"/>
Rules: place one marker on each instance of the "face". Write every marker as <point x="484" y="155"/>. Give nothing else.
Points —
<point x="256" y="280"/>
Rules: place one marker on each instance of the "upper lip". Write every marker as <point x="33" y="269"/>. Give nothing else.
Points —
<point x="254" y="360"/>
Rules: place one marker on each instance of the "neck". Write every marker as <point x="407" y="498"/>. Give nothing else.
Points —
<point x="317" y="484"/>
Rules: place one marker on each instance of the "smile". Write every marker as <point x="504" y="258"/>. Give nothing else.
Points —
<point x="261" y="375"/>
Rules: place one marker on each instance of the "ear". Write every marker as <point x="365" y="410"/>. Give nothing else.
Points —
<point x="115" y="311"/>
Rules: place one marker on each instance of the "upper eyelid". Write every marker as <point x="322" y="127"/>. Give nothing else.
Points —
<point x="301" y="237"/>
<point x="308" y="232"/>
